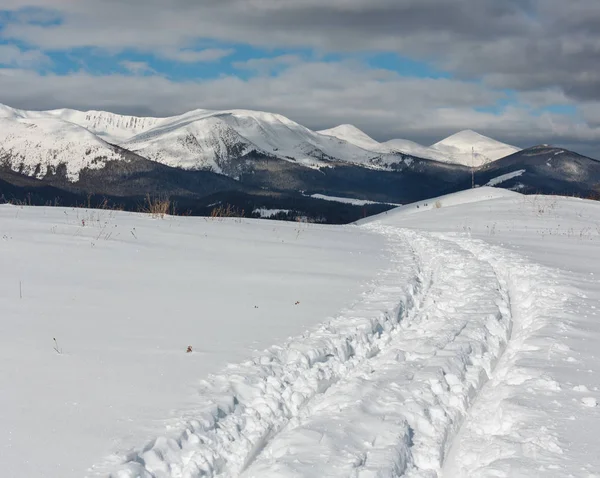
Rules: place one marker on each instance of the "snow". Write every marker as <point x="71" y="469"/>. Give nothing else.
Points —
<point x="472" y="355"/>
<point x="356" y="202"/>
<point x="536" y="414"/>
<point x="505" y="177"/>
<point x="38" y="146"/>
<point x="112" y="127"/>
<point x="466" y="148"/>
<point x="212" y="136"/>
<point x="415" y="149"/>
<point x="408" y="404"/>
<point x="359" y="138"/>
<point x="124" y="296"/>
<point x="472" y="149"/>
<point x="353" y="135"/>
<point x="454" y="339"/>
<point x="267" y="213"/>
<point x="208" y="139"/>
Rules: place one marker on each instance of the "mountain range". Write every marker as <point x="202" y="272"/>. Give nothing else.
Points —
<point x="256" y="160"/>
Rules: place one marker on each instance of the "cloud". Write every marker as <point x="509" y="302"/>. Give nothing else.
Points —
<point x="591" y="113"/>
<point x="265" y="65"/>
<point x="137" y="67"/>
<point x="522" y="44"/>
<point x="545" y="50"/>
<point x="195" y="56"/>
<point x="11" y="55"/>
<point x="316" y="94"/>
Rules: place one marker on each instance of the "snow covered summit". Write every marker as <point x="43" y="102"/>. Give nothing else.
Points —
<point x="470" y="148"/>
<point x="466" y="148"/>
<point x="353" y="135"/>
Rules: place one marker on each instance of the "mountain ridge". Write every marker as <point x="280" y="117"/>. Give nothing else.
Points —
<point x="208" y="139"/>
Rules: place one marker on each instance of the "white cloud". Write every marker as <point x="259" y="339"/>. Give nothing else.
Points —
<point x="137" y="67"/>
<point x="11" y="55"/>
<point x="318" y="95"/>
<point x="195" y="56"/>
<point x="264" y="65"/>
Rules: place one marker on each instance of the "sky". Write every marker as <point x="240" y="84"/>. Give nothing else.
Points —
<point x="522" y="71"/>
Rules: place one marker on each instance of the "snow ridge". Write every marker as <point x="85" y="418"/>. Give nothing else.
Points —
<point x="207" y="139"/>
<point x="466" y="148"/>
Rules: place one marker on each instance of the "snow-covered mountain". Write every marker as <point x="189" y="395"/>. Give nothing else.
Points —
<point x="353" y="135"/>
<point x="32" y="141"/>
<point x="37" y="146"/>
<point x="112" y="127"/>
<point x="473" y="149"/>
<point x="466" y="148"/>
<point x="206" y="139"/>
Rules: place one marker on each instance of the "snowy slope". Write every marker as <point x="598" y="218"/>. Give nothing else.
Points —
<point x="353" y="135"/>
<point x="203" y="144"/>
<point x="356" y="202"/>
<point x="124" y="295"/>
<point x="456" y="337"/>
<point x="414" y="149"/>
<point x="38" y="146"/>
<point x="111" y="127"/>
<point x="456" y="149"/>
<point x="206" y="138"/>
<point x="538" y="413"/>
<point x="472" y="149"/>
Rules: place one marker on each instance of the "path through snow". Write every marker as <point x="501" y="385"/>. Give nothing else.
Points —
<point x="398" y="411"/>
<point x="422" y="378"/>
<point x="251" y="402"/>
<point x="516" y="423"/>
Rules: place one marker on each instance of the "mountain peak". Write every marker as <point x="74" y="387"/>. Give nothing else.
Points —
<point x="467" y="135"/>
<point x="470" y="148"/>
<point x="351" y="134"/>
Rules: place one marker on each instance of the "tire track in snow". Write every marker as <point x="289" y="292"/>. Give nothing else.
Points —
<point x="249" y="403"/>
<point x="396" y="414"/>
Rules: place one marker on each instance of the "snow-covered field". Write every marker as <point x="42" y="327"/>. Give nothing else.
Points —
<point x="454" y="337"/>
<point x="125" y="295"/>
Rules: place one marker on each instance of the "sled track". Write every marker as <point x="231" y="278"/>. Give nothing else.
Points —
<point x="380" y="390"/>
